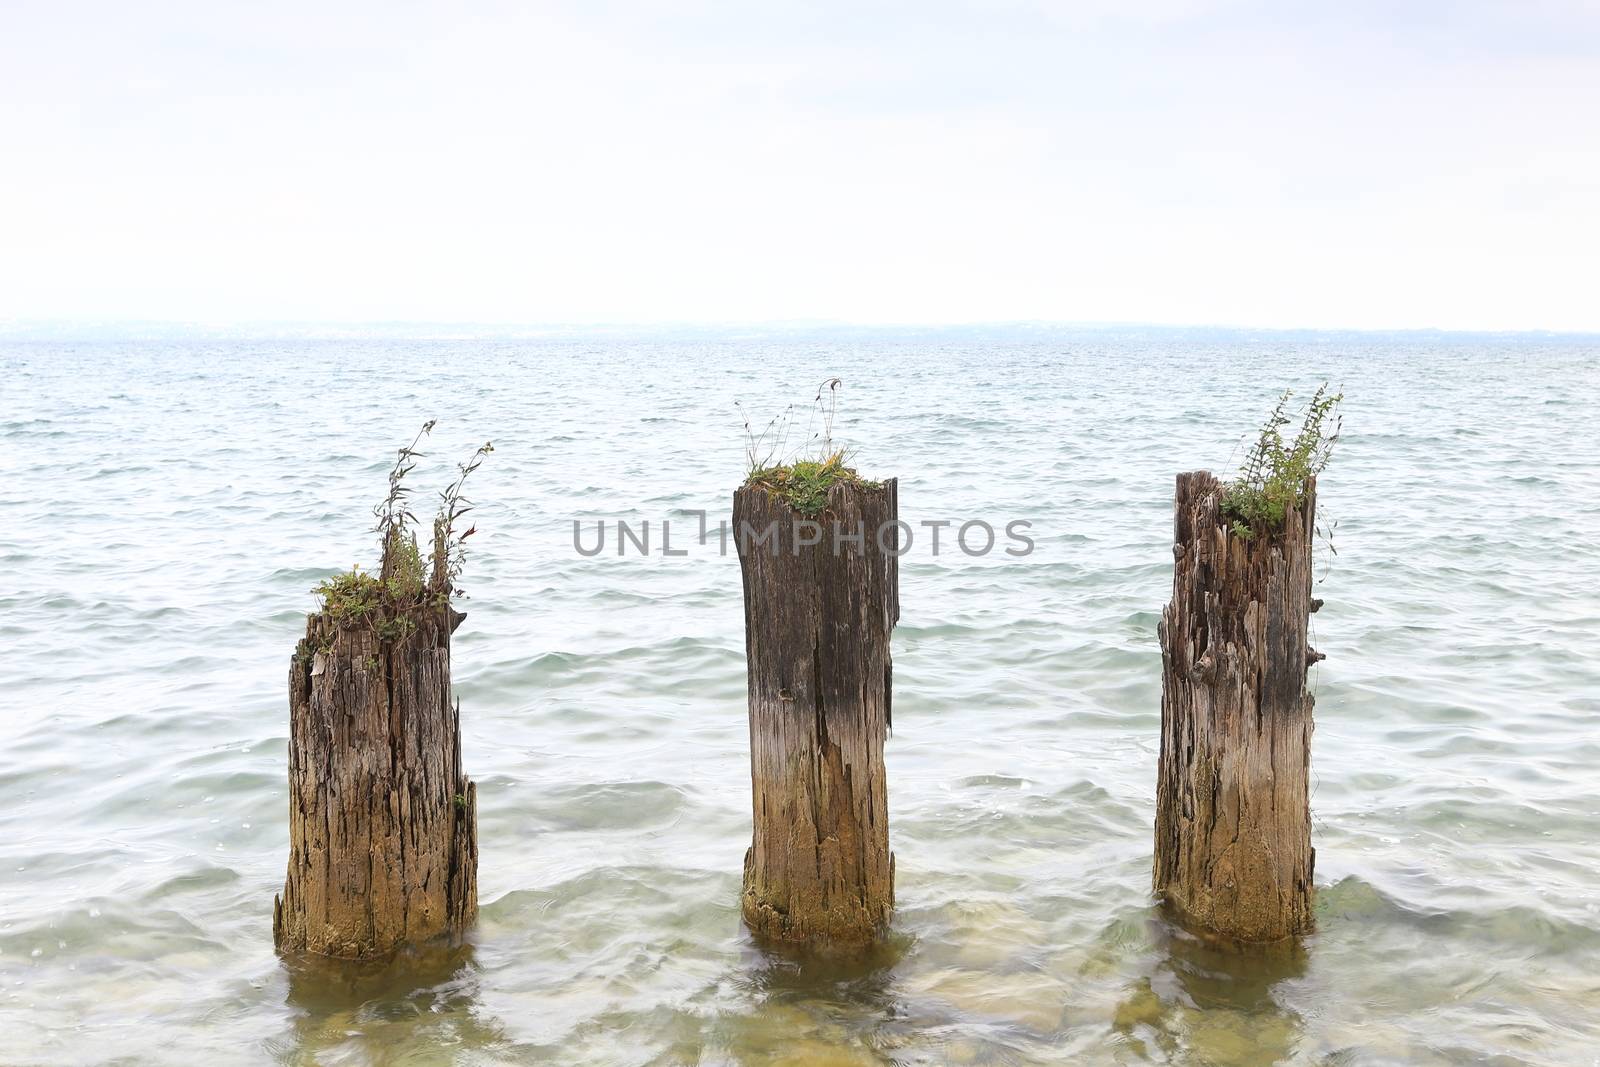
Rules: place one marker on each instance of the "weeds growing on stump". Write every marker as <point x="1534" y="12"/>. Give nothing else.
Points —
<point x="383" y="600"/>
<point x="801" y="480"/>
<point x="1276" y="473"/>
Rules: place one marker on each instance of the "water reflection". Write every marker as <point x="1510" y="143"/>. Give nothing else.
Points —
<point x="809" y="1007"/>
<point x="1214" y="1000"/>
<point x="366" y="1012"/>
<point x="776" y="970"/>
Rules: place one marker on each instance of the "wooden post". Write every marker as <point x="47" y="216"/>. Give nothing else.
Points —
<point x="818" y="617"/>
<point x="383" y="848"/>
<point x="1233" y="851"/>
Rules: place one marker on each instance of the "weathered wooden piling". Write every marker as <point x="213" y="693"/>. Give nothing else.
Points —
<point x="1233" y="851"/>
<point x="818" y="618"/>
<point x="383" y="848"/>
<point x="383" y="825"/>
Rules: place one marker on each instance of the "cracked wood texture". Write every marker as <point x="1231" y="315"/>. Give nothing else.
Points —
<point x="383" y="847"/>
<point x="1233" y="851"/>
<point x="818" y="873"/>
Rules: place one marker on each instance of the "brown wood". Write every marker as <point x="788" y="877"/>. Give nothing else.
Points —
<point x="1233" y="851"/>
<point x="817" y="624"/>
<point x="383" y="847"/>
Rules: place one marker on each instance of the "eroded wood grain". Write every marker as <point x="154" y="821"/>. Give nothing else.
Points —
<point x="383" y="845"/>
<point x="1233" y="851"/>
<point x="817" y="626"/>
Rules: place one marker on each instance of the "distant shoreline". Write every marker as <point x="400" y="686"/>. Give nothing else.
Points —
<point x="18" y="331"/>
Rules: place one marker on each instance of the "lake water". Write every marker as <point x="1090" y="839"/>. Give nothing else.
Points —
<point x="167" y="506"/>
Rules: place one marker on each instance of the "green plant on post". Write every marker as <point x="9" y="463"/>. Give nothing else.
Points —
<point x="449" y="547"/>
<point x="1276" y="471"/>
<point x="803" y="482"/>
<point x="403" y="582"/>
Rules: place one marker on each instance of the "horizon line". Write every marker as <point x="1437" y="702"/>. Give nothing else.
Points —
<point x="88" y="329"/>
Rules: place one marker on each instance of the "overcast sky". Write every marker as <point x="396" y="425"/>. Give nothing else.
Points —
<point x="1335" y="164"/>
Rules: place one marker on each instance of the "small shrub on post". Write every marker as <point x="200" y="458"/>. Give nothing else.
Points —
<point x="382" y="822"/>
<point x="1233" y="853"/>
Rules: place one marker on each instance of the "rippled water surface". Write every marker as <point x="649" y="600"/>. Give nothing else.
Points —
<point x="168" y="506"/>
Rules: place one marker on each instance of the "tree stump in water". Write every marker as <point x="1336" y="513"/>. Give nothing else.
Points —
<point x="1233" y="851"/>
<point x="383" y="846"/>
<point x="818" y="618"/>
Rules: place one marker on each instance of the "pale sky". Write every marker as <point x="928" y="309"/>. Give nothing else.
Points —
<point x="1331" y="164"/>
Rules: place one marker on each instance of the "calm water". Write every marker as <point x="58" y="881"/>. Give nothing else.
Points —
<point x="166" y="508"/>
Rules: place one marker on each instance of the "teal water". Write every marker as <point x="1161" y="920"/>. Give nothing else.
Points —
<point x="166" y="508"/>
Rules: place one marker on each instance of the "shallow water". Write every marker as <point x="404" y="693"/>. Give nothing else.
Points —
<point x="167" y="507"/>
